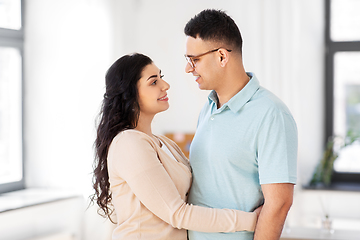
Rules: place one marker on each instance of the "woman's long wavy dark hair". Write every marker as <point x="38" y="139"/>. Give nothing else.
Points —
<point x="120" y="110"/>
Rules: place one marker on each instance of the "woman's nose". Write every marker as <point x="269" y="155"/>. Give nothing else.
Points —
<point x="166" y="86"/>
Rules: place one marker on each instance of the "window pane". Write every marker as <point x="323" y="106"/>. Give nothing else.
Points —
<point x="10" y="115"/>
<point x="345" y="20"/>
<point x="347" y="108"/>
<point x="10" y="14"/>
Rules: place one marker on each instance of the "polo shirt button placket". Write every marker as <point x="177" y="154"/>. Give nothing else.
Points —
<point x="212" y="118"/>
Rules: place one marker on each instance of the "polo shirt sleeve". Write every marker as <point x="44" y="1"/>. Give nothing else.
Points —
<point x="134" y="159"/>
<point x="277" y="148"/>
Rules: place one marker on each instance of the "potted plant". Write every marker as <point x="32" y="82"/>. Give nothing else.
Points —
<point x="325" y="169"/>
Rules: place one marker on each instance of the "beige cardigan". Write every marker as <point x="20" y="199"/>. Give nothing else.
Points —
<point x="149" y="189"/>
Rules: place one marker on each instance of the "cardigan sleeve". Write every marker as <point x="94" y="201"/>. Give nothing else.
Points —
<point x="133" y="157"/>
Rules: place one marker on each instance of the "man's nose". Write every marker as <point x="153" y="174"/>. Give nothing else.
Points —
<point x="188" y="68"/>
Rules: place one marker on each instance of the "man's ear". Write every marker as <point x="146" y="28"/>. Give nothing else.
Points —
<point x="224" y="57"/>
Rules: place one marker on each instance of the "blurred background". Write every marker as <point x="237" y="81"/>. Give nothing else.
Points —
<point x="53" y="58"/>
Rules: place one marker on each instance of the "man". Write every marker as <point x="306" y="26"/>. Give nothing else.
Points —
<point x="245" y="148"/>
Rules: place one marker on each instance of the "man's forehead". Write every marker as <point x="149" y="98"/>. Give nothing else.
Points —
<point x="194" y="45"/>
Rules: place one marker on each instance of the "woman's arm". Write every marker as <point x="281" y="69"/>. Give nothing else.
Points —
<point x="136" y="161"/>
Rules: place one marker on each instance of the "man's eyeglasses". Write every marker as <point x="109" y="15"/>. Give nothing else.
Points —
<point x="190" y="59"/>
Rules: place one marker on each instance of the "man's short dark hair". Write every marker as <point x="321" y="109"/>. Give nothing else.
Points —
<point x="215" y="25"/>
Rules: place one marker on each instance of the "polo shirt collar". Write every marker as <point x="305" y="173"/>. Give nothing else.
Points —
<point x="241" y="98"/>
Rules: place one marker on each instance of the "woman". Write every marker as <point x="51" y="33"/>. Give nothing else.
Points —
<point x="145" y="177"/>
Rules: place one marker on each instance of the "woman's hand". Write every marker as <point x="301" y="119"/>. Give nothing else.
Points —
<point x="258" y="210"/>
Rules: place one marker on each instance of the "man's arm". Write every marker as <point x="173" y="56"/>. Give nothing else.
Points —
<point x="278" y="200"/>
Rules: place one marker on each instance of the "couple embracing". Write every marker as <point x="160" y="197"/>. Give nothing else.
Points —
<point x="240" y="179"/>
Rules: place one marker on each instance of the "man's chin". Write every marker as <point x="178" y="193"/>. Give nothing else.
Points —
<point x="202" y="87"/>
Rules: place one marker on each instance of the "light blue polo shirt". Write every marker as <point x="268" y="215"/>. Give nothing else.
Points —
<point x="249" y="141"/>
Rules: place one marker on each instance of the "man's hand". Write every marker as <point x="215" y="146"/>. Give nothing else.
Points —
<point x="278" y="200"/>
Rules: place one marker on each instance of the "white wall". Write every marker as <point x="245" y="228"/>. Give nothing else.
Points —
<point x="68" y="48"/>
<point x="70" y="44"/>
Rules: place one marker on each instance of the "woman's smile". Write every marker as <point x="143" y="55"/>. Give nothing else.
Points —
<point x="164" y="98"/>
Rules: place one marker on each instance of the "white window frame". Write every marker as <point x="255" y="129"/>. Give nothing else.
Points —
<point x="15" y="39"/>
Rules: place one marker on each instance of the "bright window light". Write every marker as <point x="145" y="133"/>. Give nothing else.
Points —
<point x="10" y="14"/>
<point x="10" y="115"/>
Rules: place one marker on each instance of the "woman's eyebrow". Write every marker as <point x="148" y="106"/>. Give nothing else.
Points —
<point x="154" y="76"/>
